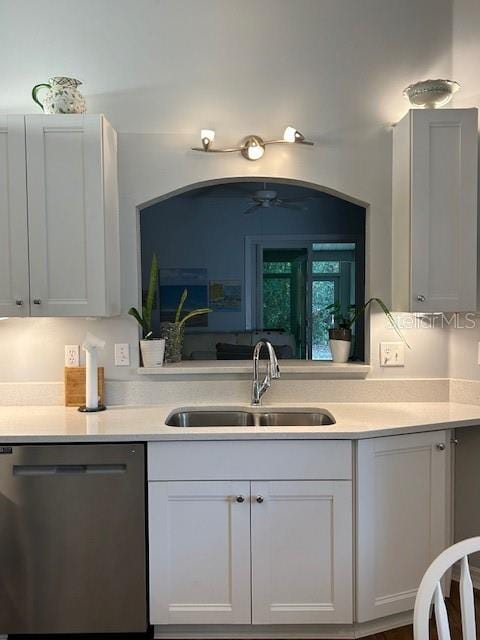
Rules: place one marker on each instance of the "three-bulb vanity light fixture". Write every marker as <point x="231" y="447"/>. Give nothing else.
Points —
<point x="252" y="147"/>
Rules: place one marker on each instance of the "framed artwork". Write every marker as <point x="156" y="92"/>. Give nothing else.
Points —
<point x="225" y="295"/>
<point x="172" y="282"/>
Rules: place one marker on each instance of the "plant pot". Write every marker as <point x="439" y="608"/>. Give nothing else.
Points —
<point x="153" y="352"/>
<point x="173" y="334"/>
<point x="340" y="342"/>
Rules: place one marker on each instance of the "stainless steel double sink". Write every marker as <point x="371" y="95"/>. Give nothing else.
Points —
<point x="254" y="418"/>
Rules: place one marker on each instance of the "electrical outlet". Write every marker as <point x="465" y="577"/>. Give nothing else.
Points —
<point x="72" y="355"/>
<point x="122" y="355"/>
<point x="392" y="354"/>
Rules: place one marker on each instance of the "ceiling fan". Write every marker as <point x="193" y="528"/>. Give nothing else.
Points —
<point x="268" y="198"/>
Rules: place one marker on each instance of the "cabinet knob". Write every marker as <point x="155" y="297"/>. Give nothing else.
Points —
<point x="259" y="499"/>
<point x="37" y="301"/>
<point x="454" y="441"/>
<point x="441" y="446"/>
<point x="421" y="297"/>
<point x="19" y="302"/>
<point x="240" y="498"/>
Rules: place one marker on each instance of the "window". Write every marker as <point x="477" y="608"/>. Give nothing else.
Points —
<point x="323" y="266"/>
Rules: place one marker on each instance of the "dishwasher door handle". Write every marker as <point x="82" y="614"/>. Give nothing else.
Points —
<point x="68" y="469"/>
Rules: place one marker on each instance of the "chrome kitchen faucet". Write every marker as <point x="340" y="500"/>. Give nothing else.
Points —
<point x="272" y="373"/>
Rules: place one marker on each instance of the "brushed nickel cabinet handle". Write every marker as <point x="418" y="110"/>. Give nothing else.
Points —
<point x="421" y="297"/>
<point x="240" y="498"/>
<point x="441" y="446"/>
<point x="37" y="301"/>
<point x="19" y="302"/>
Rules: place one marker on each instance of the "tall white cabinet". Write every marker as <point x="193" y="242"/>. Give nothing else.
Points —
<point x="435" y="211"/>
<point x="59" y="216"/>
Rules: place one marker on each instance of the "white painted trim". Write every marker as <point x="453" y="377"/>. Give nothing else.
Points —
<point x="302" y="367"/>
<point x="282" y="632"/>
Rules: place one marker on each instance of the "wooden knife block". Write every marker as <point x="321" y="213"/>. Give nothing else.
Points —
<point x="75" y="386"/>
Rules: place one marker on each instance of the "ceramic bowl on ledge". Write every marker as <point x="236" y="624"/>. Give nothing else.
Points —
<point x="431" y="94"/>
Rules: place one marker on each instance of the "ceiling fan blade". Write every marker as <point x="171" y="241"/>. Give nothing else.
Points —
<point x="252" y="209"/>
<point x="292" y="206"/>
<point x="296" y="200"/>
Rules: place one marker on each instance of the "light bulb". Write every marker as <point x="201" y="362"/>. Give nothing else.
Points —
<point x="207" y="134"/>
<point x="255" y="152"/>
<point x="289" y="135"/>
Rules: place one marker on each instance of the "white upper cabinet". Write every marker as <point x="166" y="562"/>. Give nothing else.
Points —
<point x="402" y="518"/>
<point x="14" y="287"/>
<point x="435" y="211"/>
<point x="65" y="167"/>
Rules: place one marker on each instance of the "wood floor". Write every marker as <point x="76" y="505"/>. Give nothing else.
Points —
<point x="453" y="607"/>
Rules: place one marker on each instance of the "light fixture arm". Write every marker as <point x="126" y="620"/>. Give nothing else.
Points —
<point x="281" y="141"/>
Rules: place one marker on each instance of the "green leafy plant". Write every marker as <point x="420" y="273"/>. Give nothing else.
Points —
<point x="345" y="318"/>
<point x="191" y="314"/>
<point x="144" y="318"/>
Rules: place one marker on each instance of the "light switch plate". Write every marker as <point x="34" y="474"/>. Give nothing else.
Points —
<point x="122" y="355"/>
<point x="72" y="355"/>
<point x="392" y="354"/>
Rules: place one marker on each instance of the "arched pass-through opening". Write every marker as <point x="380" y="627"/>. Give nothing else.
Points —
<point x="265" y="179"/>
<point x="268" y="256"/>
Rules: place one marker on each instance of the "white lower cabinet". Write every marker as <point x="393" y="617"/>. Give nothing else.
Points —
<point x="199" y="552"/>
<point x="240" y="552"/>
<point x="262" y="532"/>
<point x="301" y="552"/>
<point x="402" y="518"/>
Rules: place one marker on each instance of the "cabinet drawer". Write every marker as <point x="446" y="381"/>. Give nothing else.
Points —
<point x="240" y="460"/>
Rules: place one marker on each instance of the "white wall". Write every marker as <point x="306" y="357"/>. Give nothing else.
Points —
<point x="463" y="349"/>
<point x="160" y="70"/>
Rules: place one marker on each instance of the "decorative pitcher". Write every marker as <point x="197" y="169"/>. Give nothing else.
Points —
<point x="62" y="96"/>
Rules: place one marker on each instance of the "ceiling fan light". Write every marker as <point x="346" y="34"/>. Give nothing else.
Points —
<point x="289" y="135"/>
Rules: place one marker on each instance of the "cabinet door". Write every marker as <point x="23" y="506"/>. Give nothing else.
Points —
<point x="402" y="519"/>
<point x="301" y="552"/>
<point x="199" y="536"/>
<point x="66" y="215"/>
<point x="14" y="294"/>
<point x="444" y="209"/>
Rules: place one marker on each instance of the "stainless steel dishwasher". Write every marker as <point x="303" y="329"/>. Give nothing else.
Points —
<point x="72" y="539"/>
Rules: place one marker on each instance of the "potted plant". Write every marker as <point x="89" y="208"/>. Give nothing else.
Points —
<point x="152" y="349"/>
<point x="173" y="331"/>
<point x="340" y="326"/>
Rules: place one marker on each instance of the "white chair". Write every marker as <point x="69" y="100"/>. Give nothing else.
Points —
<point x="430" y="589"/>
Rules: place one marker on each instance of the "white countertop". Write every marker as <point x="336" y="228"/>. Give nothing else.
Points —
<point x="147" y="423"/>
